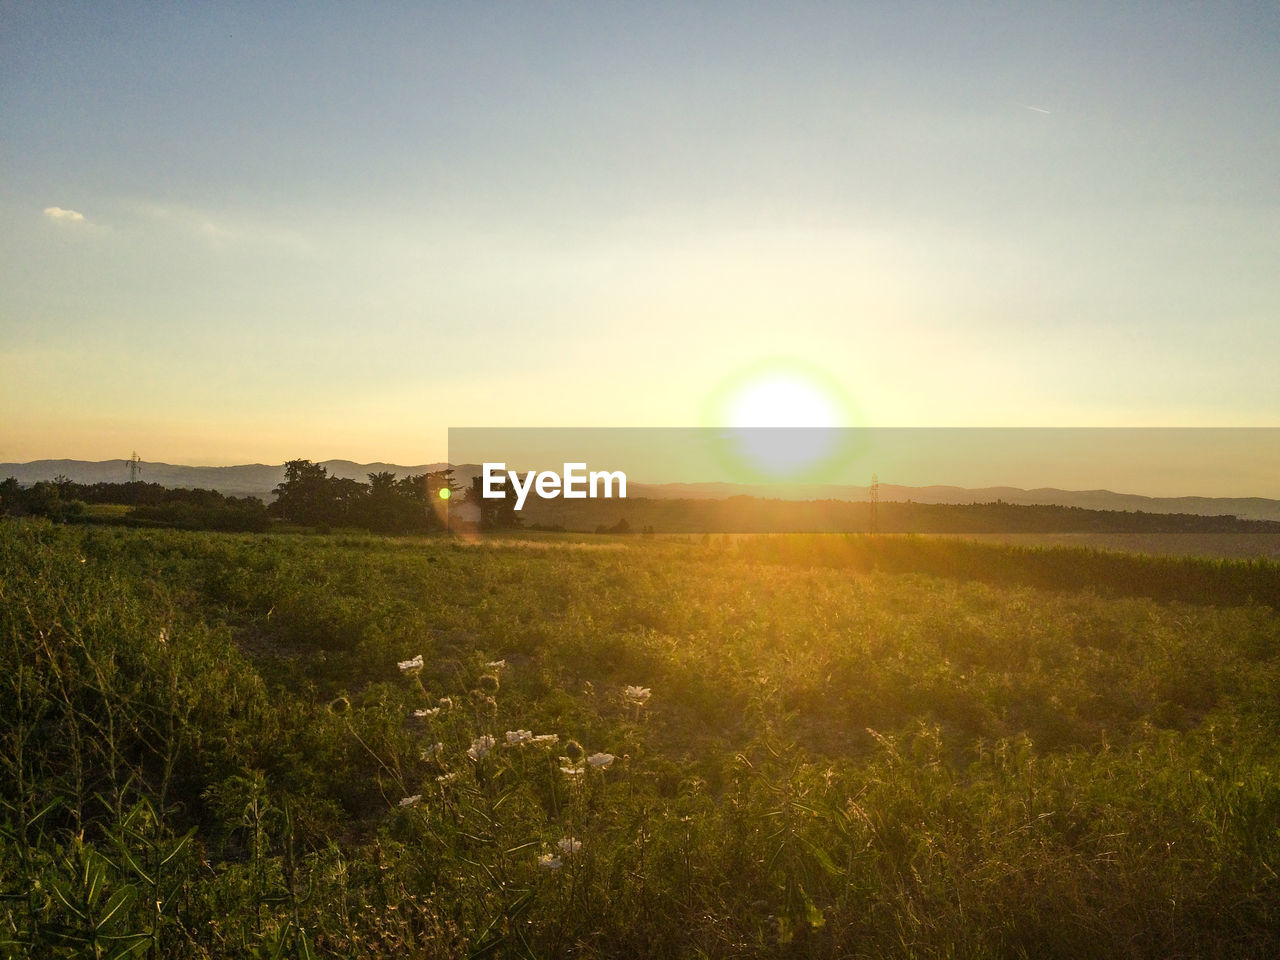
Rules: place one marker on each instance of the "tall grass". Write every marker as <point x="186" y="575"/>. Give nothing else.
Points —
<point x="211" y="748"/>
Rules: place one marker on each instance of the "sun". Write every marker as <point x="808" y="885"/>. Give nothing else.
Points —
<point x="782" y="400"/>
<point x="784" y="421"/>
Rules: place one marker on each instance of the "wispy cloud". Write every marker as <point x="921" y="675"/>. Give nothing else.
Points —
<point x="222" y="231"/>
<point x="60" y="215"/>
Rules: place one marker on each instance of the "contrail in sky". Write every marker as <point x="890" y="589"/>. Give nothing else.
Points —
<point x="1037" y="109"/>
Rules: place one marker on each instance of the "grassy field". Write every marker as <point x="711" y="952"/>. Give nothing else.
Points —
<point x="1227" y="546"/>
<point x="106" y="511"/>
<point x="223" y="745"/>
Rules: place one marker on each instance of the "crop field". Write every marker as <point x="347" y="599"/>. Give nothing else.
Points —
<point x="251" y="745"/>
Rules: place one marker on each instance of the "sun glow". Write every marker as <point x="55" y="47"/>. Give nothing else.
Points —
<point x="784" y="422"/>
<point x="782" y="400"/>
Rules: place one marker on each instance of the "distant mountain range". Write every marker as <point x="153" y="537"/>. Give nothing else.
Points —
<point x="245" y="480"/>
<point x="259" y="480"/>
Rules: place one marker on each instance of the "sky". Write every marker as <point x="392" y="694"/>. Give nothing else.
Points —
<point x="239" y="233"/>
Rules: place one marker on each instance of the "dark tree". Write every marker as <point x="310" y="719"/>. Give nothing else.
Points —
<point x="495" y="513"/>
<point x="303" y="497"/>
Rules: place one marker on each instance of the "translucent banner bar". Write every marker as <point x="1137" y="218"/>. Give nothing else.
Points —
<point x="870" y="480"/>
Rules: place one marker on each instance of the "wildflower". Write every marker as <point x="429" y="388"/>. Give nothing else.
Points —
<point x="480" y="747"/>
<point x="445" y="704"/>
<point x="600" y="761"/>
<point x="164" y="635"/>
<point x="488" y="683"/>
<point x="516" y="737"/>
<point x="637" y="695"/>
<point x="570" y="845"/>
<point x="496" y="664"/>
<point x="571" y="770"/>
<point x="410" y="666"/>
<point x="411" y="801"/>
<point x="427" y="714"/>
<point x="549" y="861"/>
<point x="447" y="777"/>
<point x="432" y="750"/>
<point x="546" y="740"/>
<point x="574" y="750"/>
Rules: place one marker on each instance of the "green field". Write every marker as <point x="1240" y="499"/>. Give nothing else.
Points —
<point x="1232" y="546"/>
<point x="854" y="747"/>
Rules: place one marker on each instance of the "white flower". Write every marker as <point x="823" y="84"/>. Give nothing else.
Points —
<point x="637" y="694"/>
<point x="546" y="739"/>
<point x="411" y="801"/>
<point x="600" y="761"/>
<point x="570" y="845"/>
<point x="515" y="737"/>
<point x="549" y="861"/>
<point x="432" y="750"/>
<point x="480" y="747"/>
<point x="447" y="777"/>
<point x="407" y="665"/>
<point x="496" y="664"/>
<point x="427" y="714"/>
<point x="571" y="771"/>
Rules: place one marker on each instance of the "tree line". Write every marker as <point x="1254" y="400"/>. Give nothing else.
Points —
<point x="744" y="514"/>
<point x="65" y="501"/>
<point x="309" y="495"/>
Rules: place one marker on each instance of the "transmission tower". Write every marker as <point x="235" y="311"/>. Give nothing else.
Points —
<point x="135" y="467"/>
<point x="875" y="503"/>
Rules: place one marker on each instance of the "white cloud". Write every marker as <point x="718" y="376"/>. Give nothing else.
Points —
<point x="224" y="230"/>
<point x="64" y="216"/>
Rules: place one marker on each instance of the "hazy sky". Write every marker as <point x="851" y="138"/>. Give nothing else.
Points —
<point x="237" y="232"/>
